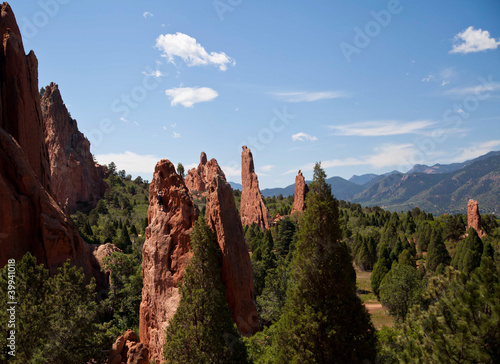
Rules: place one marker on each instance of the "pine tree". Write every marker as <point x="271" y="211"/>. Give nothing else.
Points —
<point x="437" y="253"/>
<point x="323" y="320"/>
<point x="468" y="255"/>
<point x="201" y="330"/>
<point x="381" y="268"/>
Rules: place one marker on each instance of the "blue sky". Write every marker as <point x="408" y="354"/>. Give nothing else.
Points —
<point x="362" y="86"/>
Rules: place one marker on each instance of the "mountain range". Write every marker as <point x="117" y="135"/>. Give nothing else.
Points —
<point x="441" y="188"/>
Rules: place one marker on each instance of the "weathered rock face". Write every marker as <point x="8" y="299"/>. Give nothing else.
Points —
<point x="301" y="189"/>
<point x="127" y="349"/>
<point x="474" y="218"/>
<point x="30" y="219"/>
<point x="237" y="276"/>
<point x="166" y="253"/>
<point x="252" y="208"/>
<point x="20" y="114"/>
<point x="197" y="179"/>
<point x="74" y="176"/>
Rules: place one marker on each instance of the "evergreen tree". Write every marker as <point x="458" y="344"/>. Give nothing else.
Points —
<point x="437" y="253"/>
<point x="406" y="258"/>
<point x="468" y="255"/>
<point x="323" y="320"/>
<point x="461" y="323"/>
<point x="201" y="330"/>
<point x="400" y="290"/>
<point x="382" y="267"/>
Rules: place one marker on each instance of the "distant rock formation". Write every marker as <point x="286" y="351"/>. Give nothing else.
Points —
<point x="127" y="349"/>
<point x="252" y="208"/>
<point x="30" y="219"/>
<point x="301" y="189"/>
<point x="237" y="276"/>
<point x="474" y="218"/>
<point x="197" y="179"/>
<point x="75" y="178"/>
<point x="20" y="114"/>
<point x="166" y="253"/>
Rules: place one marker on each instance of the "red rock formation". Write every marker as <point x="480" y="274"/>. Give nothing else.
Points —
<point x="30" y="219"/>
<point x="301" y="189"/>
<point x="237" y="276"/>
<point x="474" y="218"/>
<point x="166" y="253"/>
<point x="252" y="208"/>
<point x="74" y="175"/>
<point x="197" y="179"/>
<point x="127" y="349"/>
<point x="20" y="114"/>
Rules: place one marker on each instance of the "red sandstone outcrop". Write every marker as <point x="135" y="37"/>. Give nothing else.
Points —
<point x="237" y="276"/>
<point x="75" y="178"/>
<point x="127" y="349"/>
<point x="252" y="208"/>
<point x="30" y="219"/>
<point x="197" y="179"/>
<point x="166" y="253"/>
<point x="301" y="189"/>
<point x="20" y="114"/>
<point x="474" y="218"/>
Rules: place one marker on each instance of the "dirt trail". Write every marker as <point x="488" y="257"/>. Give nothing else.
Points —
<point x="372" y="307"/>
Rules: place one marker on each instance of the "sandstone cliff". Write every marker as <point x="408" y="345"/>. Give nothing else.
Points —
<point x="197" y="179"/>
<point x="252" y="208"/>
<point x="30" y="219"/>
<point x="20" y="114"/>
<point x="75" y="179"/>
<point x="237" y="275"/>
<point x="301" y="189"/>
<point x="474" y="218"/>
<point x="166" y="253"/>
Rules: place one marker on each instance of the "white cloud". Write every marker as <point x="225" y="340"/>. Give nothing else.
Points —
<point x="173" y="125"/>
<point x="303" y="137"/>
<point x="183" y="46"/>
<point x="427" y="78"/>
<point x="130" y="162"/>
<point x="474" y="40"/>
<point x="382" y="128"/>
<point x="476" y="150"/>
<point x="444" y="83"/>
<point x="188" y="96"/>
<point x="187" y="167"/>
<point x="310" y="96"/>
<point x="176" y="135"/>
<point x="474" y="90"/>
<point x="124" y="120"/>
<point x="267" y="168"/>
<point x="388" y="155"/>
<point x="156" y="74"/>
<point x="164" y="128"/>
<point x="146" y="14"/>
<point x="231" y="171"/>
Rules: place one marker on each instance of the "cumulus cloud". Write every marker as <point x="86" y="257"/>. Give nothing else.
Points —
<point x="188" y="96"/>
<point x="176" y="135"/>
<point x="129" y="161"/>
<point x="267" y="168"/>
<point x="427" y="78"/>
<point x="310" y="96"/>
<point x="382" y="128"/>
<point x="474" y="40"/>
<point x="231" y="171"/>
<point x="190" y="51"/>
<point x="301" y="137"/>
<point x="147" y="14"/>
